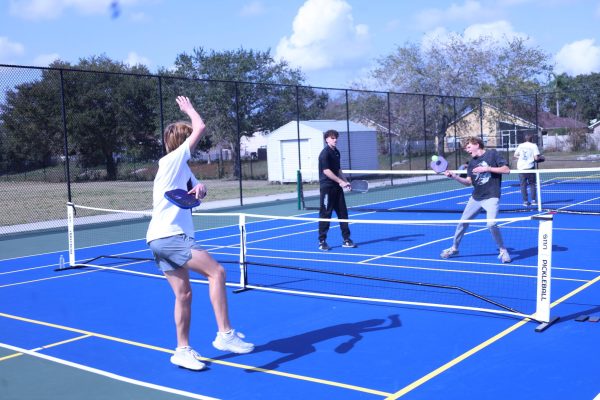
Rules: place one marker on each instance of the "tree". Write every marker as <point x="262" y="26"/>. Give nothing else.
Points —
<point x="248" y="91"/>
<point x="30" y="118"/>
<point x="575" y="97"/>
<point x="459" y="67"/>
<point x="110" y="114"/>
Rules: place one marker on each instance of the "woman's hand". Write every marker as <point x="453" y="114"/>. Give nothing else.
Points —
<point x="184" y="104"/>
<point x="199" y="191"/>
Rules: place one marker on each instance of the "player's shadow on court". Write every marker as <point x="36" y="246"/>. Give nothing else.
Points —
<point x="516" y="254"/>
<point x="398" y="238"/>
<point x="532" y="252"/>
<point x="298" y="346"/>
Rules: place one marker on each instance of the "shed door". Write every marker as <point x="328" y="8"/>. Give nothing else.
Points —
<point x="289" y="158"/>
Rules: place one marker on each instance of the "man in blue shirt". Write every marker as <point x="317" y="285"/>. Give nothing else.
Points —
<point x="484" y="172"/>
<point x="332" y="183"/>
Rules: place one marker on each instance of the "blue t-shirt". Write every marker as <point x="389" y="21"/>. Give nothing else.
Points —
<point x="486" y="185"/>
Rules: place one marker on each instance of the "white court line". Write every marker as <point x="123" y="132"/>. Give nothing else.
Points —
<point x="62" y="276"/>
<point x="258" y="231"/>
<point x="107" y="374"/>
<point x="29" y="269"/>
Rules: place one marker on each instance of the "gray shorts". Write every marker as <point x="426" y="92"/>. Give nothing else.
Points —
<point x="173" y="252"/>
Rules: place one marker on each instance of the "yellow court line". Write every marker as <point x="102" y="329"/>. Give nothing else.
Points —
<point x="226" y="363"/>
<point x="575" y="291"/>
<point x="458" y="359"/>
<point x="483" y="345"/>
<point x="10" y="356"/>
<point x="47" y="346"/>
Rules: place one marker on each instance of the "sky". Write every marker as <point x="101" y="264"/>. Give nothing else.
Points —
<point x="334" y="42"/>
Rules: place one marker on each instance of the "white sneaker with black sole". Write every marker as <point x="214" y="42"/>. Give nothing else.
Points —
<point x="323" y="246"/>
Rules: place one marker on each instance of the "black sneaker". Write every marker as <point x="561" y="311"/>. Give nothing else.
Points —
<point x="323" y="246"/>
<point x="348" y="243"/>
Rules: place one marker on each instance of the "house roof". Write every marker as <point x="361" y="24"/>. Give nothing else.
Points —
<point x="377" y="126"/>
<point x="514" y="118"/>
<point x="594" y="123"/>
<point x="339" y="125"/>
<point x="548" y="120"/>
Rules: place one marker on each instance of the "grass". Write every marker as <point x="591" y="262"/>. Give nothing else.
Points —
<point x="28" y="202"/>
<point x="39" y="196"/>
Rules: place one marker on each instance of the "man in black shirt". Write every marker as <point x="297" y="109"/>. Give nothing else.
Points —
<point x="484" y="172"/>
<point x="332" y="183"/>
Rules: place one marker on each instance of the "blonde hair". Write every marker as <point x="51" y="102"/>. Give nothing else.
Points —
<point x="175" y="134"/>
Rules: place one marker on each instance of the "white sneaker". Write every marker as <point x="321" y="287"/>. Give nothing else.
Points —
<point x="504" y="256"/>
<point x="449" y="252"/>
<point x="186" y="357"/>
<point x="232" y="341"/>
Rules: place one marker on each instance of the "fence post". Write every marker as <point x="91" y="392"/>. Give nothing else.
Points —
<point x="65" y="135"/>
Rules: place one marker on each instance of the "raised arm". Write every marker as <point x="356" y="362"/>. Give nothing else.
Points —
<point x="198" y="125"/>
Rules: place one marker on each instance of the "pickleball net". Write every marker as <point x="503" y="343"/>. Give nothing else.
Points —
<point x="573" y="190"/>
<point x="397" y="261"/>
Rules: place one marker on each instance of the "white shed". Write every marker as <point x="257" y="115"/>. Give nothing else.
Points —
<point x="282" y="148"/>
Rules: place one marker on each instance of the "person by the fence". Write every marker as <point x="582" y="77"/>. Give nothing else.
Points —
<point x="527" y="153"/>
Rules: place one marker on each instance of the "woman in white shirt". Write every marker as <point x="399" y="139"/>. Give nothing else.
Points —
<point x="171" y="238"/>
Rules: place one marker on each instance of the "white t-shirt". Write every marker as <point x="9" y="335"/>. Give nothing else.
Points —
<point x="173" y="173"/>
<point x="526" y="152"/>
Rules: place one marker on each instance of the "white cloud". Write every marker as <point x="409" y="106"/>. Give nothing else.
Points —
<point x="10" y="50"/>
<point x="469" y="11"/>
<point x="513" y="2"/>
<point x="580" y="57"/>
<point x="252" y="9"/>
<point x="134" y="59"/>
<point x="437" y="35"/>
<point x="324" y="34"/>
<point x="43" y="60"/>
<point x="499" y="31"/>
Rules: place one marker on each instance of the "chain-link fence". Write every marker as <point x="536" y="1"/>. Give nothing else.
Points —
<point x="95" y="137"/>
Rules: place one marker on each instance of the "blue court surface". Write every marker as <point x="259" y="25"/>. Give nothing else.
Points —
<point x="388" y="319"/>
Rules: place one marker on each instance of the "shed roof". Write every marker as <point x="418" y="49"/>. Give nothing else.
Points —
<point x="339" y="125"/>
